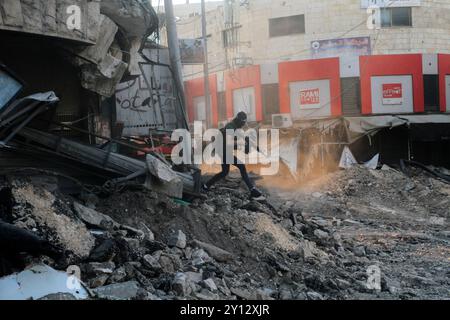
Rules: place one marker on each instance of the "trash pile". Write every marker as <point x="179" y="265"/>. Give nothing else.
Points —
<point x="319" y="241"/>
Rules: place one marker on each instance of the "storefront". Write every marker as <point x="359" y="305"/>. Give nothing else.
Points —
<point x="310" y="89"/>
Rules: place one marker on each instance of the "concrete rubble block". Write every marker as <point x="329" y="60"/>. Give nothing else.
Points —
<point x="133" y="18"/>
<point x="148" y="233"/>
<point x="49" y="15"/>
<point x="94" y="80"/>
<point x="242" y="293"/>
<point x="322" y="235"/>
<point x="312" y="295"/>
<point x="11" y="11"/>
<point x="194" y="277"/>
<point x="94" y="218"/>
<point x="119" y="275"/>
<point x="135" y="58"/>
<point x="180" y="285"/>
<point x="98" y="281"/>
<point x="93" y="30"/>
<point x="359" y="251"/>
<point x="310" y="251"/>
<point x="177" y="239"/>
<point x="112" y="68"/>
<point x="38" y="282"/>
<point x="207" y="295"/>
<point x="170" y="263"/>
<point x="138" y="234"/>
<point x="200" y="257"/>
<point x="32" y="15"/>
<point x="129" y="248"/>
<point x="209" y="284"/>
<point x="99" y="51"/>
<point x="265" y="294"/>
<point x="106" y="251"/>
<point x="152" y="263"/>
<point x="163" y="179"/>
<point x="96" y="268"/>
<point x="215" y="252"/>
<point x="120" y="291"/>
<point x="438" y="221"/>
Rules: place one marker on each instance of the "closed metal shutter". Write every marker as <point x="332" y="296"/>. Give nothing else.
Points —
<point x="222" y="106"/>
<point x="351" y="96"/>
<point x="271" y="101"/>
<point x="431" y="90"/>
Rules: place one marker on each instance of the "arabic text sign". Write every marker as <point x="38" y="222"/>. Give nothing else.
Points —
<point x="359" y="46"/>
<point x="310" y="97"/>
<point x="392" y="94"/>
<point x="389" y="3"/>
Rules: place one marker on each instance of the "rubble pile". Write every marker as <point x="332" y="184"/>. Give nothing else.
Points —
<point x="317" y="242"/>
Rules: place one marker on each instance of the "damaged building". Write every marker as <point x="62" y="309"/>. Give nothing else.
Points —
<point x="377" y="89"/>
<point x="100" y="69"/>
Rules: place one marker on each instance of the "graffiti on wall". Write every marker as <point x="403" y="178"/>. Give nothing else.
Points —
<point x="147" y="102"/>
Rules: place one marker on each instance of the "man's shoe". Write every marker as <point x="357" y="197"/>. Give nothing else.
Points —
<point x="256" y="194"/>
<point x="205" y="188"/>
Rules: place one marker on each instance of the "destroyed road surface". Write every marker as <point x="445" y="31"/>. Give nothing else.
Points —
<point x="352" y="234"/>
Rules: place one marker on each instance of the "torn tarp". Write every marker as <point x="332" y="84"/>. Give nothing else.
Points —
<point x="38" y="282"/>
<point x="347" y="159"/>
<point x="21" y="112"/>
<point x="289" y="155"/>
<point x="10" y="86"/>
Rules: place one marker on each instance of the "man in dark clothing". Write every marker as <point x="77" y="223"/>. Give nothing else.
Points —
<point x="238" y="123"/>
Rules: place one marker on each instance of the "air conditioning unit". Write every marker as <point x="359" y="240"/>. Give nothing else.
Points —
<point x="281" y="121"/>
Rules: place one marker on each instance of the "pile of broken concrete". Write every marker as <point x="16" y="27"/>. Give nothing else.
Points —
<point x="118" y="261"/>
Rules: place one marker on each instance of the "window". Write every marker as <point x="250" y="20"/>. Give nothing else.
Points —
<point x="285" y="26"/>
<point x="396" y="17"/>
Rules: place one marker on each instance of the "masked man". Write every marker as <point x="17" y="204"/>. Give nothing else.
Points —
<point x="238" y="123"/>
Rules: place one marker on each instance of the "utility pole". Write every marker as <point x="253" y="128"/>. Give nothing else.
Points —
<point x="209" y="120"/>
<point x="175" y="55"/>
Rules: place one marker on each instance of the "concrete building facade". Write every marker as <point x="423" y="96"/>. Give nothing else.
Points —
<point x="318" y="59"/>
<point x="427" y="32"/>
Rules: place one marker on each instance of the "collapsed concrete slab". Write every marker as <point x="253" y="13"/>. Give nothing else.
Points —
<point x="52" y="18"/>
<point x="92" y="28"/>
<point x="163" y="178"/>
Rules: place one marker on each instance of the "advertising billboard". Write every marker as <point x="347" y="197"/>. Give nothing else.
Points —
<point x="192" y="51"/>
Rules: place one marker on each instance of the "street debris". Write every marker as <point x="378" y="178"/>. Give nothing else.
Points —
<point x="312" y="248"/>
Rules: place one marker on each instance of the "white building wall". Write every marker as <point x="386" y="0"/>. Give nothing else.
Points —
<point x="324" y="19"/>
